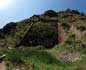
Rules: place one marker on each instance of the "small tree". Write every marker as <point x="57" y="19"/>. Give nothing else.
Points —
<point x="8" y="27"/>
<point x="50" y="13"/>
<point x="75" y="11"/>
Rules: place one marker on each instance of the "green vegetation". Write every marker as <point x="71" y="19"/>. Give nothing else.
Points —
<point x="46" y="59"/>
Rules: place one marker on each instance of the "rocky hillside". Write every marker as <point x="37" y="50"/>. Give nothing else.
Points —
<point x="49" y="41"/>
<point x="47" y="29"/>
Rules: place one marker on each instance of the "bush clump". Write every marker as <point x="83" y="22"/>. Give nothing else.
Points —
<point x="8" y="28"/>
<point x="81" y="27"/>
<point x="50" y="13"/>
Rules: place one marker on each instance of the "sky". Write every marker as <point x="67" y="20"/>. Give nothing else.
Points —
<point x="18" y="10"/>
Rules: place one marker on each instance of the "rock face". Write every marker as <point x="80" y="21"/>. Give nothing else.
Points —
<point x="43" y="30"/>
<point x="50" y="19"/>
<point x="61" y="34"/>
<point x="37" y="37"/>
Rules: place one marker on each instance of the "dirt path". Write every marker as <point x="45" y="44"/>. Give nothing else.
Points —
<point x="2" y="66"/>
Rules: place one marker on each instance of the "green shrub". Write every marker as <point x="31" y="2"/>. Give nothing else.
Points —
<point x="50" y="13"/>
<point x="81" y="27"/>
<point x="8" y="28"/>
